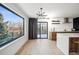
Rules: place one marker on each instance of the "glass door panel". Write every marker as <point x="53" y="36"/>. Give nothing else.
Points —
<point x="38" y="30"/>
<point x="42" y="30"/>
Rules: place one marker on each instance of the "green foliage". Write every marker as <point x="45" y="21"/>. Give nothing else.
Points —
<point x="3" y="28"/>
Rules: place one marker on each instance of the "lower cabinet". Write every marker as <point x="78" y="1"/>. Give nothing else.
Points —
<point x="53" y="36"/>
<point x="74" y="45"/>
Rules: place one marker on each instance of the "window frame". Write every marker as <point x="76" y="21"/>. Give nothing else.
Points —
<point x="16" y="15"/>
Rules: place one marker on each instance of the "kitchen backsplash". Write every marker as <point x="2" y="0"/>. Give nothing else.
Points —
<point x="62" y="26"/>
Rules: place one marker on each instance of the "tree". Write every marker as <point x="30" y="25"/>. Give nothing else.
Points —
<point x="3" y="28"/>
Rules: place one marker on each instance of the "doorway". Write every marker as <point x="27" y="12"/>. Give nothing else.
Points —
<point x="42" y="30"/>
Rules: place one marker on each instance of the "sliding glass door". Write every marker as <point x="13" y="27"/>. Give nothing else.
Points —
<point x="42" y="30"/>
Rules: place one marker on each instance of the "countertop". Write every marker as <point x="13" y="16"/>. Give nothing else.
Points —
<point x="67" y="31"/>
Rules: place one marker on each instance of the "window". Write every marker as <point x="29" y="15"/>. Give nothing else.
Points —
<point x="11" y="25"/>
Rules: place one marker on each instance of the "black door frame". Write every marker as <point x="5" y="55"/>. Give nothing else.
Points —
<point x="40" y="30"/>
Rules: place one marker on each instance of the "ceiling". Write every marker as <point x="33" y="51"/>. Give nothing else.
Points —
<point x="51" y="9"/>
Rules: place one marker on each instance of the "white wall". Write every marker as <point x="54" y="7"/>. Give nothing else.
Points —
<point x="62" y="26"/>
<point x="12" y="47"/>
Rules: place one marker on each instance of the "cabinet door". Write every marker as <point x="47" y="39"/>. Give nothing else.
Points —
<point x="54" y="36"/>
<point x="73" y="46"/>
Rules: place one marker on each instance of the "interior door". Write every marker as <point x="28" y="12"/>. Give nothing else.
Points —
<point x="42" y="30"/>
<point x="32" y="28"/>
